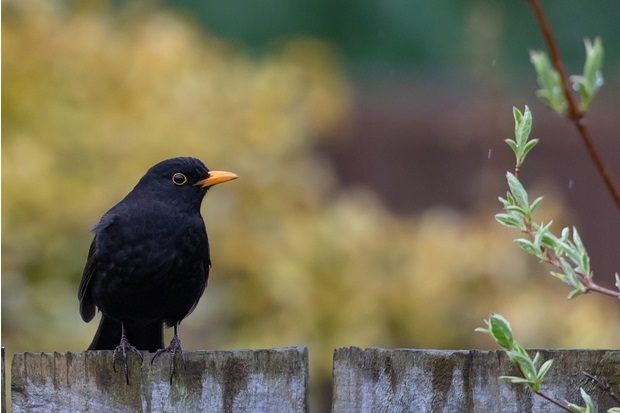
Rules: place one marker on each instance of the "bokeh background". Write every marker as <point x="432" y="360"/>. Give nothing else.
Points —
<point x="368" y="137"/>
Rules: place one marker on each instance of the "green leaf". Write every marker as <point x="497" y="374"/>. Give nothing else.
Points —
<point x="584" y="266"/>
<point x="525" y="364"/>
<point x="562" y="244"/>
<point x="528" y="147"/>
<point x="508" y="220"/>
<point x="576" y="409"/>
<point x="542" y="232"/>
<point x="544" y="369"/>
<point x="518" y="380"/>
<point x="520" y="211"/>
<point x="589" y="404"/>
<point x="513" y="145"/>
<point x="591" y="81"/>
<point x="550" y="91"/>
<point x="575" y="293"/>
<point x="583" y="259"/>
<point x="529" y="247"/>
<point x="549" y="240"/>
<point x="510" y="199"/>
<point x="560" y="276"/>
<point x="581" y="85"/>
<point x="516" y="113"/>
<point x="586" y="398"/>
<point x="501" y="331"/>
<point x="594" y="59"/>
<point x="572" y="253"/>
<point x="614" y="410"/>
<point x="577" y="240"/>
<point x="523" y="127"/>
<point x="535" y="204"/>
<point x="571" y="276"/>
<point x="517" y="190"/>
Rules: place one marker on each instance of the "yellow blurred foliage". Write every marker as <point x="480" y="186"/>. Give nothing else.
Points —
<point x="92" y="98"/>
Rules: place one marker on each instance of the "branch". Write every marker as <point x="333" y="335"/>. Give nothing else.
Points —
<point x="592" y="286"/>
<point x="550" y="400"/>
<point x="552" y="259"/>
<point x="541" y="394"/>
<point x="604" y="386"/>
<point x="574" y="114"/>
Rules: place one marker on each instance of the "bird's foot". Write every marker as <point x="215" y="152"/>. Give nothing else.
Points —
<point x="121" y="350"/>
<point x="174" y="348"/>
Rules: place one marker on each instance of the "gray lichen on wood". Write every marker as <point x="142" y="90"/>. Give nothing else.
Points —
<point x="434" y="381"/>
<point x="207" y="381"/>
<point x="271" y="381"/>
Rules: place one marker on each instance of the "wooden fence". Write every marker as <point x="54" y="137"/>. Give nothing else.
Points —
<point x="276" y="380"/>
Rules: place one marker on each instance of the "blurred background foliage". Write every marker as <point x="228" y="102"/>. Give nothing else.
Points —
<point x="95" y="93"/>
<point x="433" y="36"/>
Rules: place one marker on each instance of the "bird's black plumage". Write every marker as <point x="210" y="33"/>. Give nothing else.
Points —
<point x="149" y="261"/>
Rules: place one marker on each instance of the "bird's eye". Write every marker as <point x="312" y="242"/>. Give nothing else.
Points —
<point x="179" y="179"/>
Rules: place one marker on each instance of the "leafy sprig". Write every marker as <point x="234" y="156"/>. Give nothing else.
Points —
<point x="552" y="74"/>
<point x="531" y="371"/>
<point x="586" y="84"/>
<point x="550" y="83"/>
<point x="566" y="252"/>
<point x="521" y="145"/>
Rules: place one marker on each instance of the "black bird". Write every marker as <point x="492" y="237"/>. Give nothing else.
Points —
<point x="149" y="261"/>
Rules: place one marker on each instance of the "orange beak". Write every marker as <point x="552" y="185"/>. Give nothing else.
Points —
<point x="216" y="177"/>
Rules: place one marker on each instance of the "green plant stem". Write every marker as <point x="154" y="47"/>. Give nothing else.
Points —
<point x="574" y="114"/>
<point x="590" y="285"/>
<point x="543" y="395"/>
<point x="553" y="260"/>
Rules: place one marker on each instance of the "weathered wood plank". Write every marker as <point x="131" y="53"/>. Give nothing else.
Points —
<point x="274" y="380"/>
<point x="433" y="381"/>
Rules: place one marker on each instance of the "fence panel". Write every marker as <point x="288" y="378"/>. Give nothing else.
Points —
<point x="239" y="381"/>
<point x="377" y="380"/>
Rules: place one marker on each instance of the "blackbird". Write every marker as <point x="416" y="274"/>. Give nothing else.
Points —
<point x="149" y="261"/>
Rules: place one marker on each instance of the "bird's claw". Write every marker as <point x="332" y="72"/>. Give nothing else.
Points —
<point x="122" y="349"/>
<point x="174" y="348"/>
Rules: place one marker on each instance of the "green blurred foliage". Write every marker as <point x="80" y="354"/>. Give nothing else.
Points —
<point x="435" y="37"/>
<point x="92" y="97"/>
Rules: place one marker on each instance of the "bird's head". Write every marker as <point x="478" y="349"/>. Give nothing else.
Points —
<point x="180" y="180"/>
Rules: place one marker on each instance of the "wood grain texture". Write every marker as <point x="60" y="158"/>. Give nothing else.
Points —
<point x="274" y="380"/>
<point x="377" y="380"/>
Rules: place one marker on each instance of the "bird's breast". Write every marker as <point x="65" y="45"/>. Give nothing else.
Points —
<point x="151" y="266"/>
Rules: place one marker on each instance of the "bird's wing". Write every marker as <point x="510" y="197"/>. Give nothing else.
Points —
<point x="206" y="266"/>
<point x="87" y="307"/>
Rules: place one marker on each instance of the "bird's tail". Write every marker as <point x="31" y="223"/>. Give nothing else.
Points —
<point x="143" y="337"/>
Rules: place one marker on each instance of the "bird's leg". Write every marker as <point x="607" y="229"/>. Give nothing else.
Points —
<point x="121" y="349"/>
<point x="174" y="348"/>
